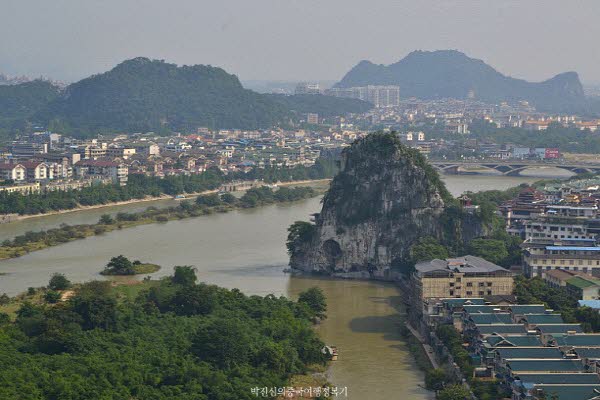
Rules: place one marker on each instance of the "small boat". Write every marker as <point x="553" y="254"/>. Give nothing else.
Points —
<point x="331" y="351"/>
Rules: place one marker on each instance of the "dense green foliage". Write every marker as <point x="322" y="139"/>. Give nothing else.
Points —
<point x="145" y="95"/>
<point x="18" y="103"/>
<point x="58" y="282"/>
<point x="428" y="248"/>
<point x="140" y="186"/>
<point x="451" y="74"/>
<point x="453" y="342"/>
<point x="314" y="299"/>
<point x="299" y="233"/>
<point x="325" y="106"/>
<point x="536" y="291"/>
<point x="119" y="265"/>
<point x="454" y="392"/>
<point x="174" y="341"/>
<point x="151" y="95"/>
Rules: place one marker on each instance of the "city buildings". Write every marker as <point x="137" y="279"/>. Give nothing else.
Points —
<point x="461" y="277"/>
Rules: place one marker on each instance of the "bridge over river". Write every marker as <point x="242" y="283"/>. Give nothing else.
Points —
<point x="511" y="168"/>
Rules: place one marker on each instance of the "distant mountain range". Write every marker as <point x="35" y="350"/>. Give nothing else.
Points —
<point x="142" y="95"/>
<point x="452" y="74"/>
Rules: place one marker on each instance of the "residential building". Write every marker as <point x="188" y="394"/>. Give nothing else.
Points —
<point x="118" y="172"/>
<point x="466" y="276"/>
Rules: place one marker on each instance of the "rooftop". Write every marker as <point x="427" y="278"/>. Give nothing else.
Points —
<point x="466" y="265"/>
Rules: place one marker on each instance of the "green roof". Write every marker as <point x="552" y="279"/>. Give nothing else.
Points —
<point x="588" y="352"/>
<point x="529" y="352"/>
<point x="486" y="329"/>
<point x="590" y="340"/>
<point x="559" y="328"/>
<point x="571" y="392"/>
<point x="514" y="340"/>
<point x="528" y="309"/>
<point x="492" y="318"/>
<point x="570" y="378"/>
<point x="545" y="365"/>
<point x="582" y="283"/>
<point x="544" y="319"/>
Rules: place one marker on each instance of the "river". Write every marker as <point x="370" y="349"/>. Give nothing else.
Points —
<point x="245" y="249"/>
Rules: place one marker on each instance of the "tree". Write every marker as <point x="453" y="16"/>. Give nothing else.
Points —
<point x="209" y="200"/>
<point x="228" y="198"/>
<point x="184" y="275"/>
<point x="119" y="265"/>
<point x="298" y="233"/>
<point x="52" y="297"/>
<point x="195" y="300"/>
<point x="59" y="282"/>
<point x="436" y="379"/>
<point x="224" y="342"/>
<point x="428" y="248"/>
<point x="454" y="392"/>
<point x="492" y="250"/>
<point x="106" y="219"/>
<point x="315" y="300"/>
<point x="96" y="306"/>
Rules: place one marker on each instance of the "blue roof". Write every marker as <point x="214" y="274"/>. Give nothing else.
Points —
<point x="589" y="303"/>
<point x="573" y="248"/>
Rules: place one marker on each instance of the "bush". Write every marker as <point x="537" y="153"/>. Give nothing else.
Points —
<point x="59" y="282"/>
<point x="52" y="297"/>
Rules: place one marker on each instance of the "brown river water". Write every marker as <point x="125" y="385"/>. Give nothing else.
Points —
<point x="245" y="249"/>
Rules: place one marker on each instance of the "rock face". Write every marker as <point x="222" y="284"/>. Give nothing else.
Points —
<point x="385" y="197"/>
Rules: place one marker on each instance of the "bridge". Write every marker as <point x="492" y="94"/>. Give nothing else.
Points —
<point x="512" y="168"/>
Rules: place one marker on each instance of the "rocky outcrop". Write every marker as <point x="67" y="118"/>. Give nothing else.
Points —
<point x="385" y="197"/>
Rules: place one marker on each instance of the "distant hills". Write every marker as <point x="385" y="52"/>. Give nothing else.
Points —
<point x="452" y="74"/>
<point x="143" y="95"/>
<point x="19" y="102"/>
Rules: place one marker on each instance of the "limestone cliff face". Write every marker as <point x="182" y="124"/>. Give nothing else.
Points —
<point x="385" y="197"/>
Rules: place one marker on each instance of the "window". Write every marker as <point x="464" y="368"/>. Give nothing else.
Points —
<point x="481" y="284"/>
<point x="481" y="292"/>
<point x="451" y="284"/>
<point x="469" y="284"/>
<point x="489" y="284"/>
<point x="469" y="293"/>
<point x="452" y="293"/>
<point x="458" y="279"/>
<point x="489" y="292"/>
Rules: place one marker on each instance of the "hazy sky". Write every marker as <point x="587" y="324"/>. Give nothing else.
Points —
<point x="296" y="39"/>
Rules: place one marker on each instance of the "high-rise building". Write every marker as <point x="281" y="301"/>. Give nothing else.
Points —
<point x="379" y="96"/>
<point x="307" y="88"/>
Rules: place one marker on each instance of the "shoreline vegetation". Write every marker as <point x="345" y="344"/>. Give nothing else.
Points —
<point x="203" y="205"/>
<point x="187" y="196"/>
<point x="162" y="339"/>
<point x="140" y="187"/>
<point x="122" y="266"/>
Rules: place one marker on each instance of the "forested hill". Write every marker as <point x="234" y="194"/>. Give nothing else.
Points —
<point x="18" y="102"/>
<point x="143" y="94"/>
<point x="452" y="74"/>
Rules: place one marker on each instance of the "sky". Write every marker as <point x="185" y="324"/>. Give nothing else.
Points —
<point x="296" y="39"/>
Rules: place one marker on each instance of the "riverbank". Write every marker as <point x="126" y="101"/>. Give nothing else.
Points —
<point x="211" y="203"/>
<point x="16" y="218"/>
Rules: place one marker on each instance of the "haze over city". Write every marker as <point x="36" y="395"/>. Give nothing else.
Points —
<point x="295" y="40"/>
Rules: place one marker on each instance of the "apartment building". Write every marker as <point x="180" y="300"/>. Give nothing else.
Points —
<point x="580" y="255"/>
<point x="89" y="169"/>
<point x="14" y="172"/>
<point x="460" y="277"/>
